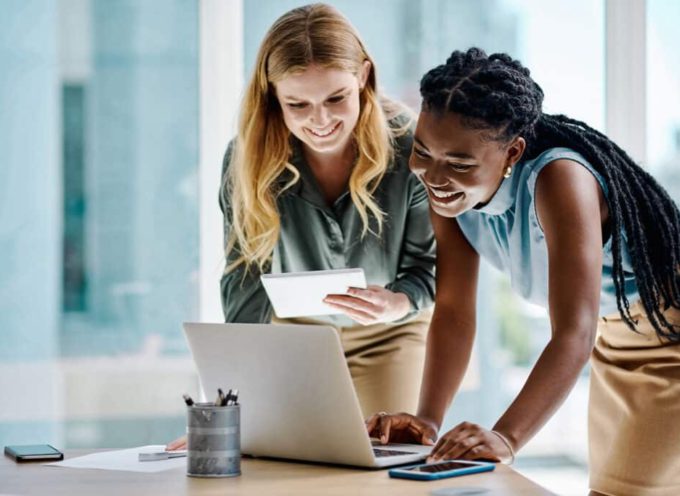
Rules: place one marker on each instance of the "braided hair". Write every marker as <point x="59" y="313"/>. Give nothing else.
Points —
<point x="496" y="94"/>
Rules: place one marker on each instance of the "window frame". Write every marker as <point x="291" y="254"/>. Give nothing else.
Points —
<point x="221" y="83"/>
<point x="625" y="83"/>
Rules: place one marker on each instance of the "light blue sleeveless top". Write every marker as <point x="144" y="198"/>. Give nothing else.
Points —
<point x="506" y="233"/>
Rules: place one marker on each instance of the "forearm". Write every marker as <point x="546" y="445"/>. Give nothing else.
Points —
<point x="449" y="345"/>
<point x="549" y="383"/>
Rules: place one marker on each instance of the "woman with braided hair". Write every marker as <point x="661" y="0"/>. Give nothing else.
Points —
<point x="582" y="230"/>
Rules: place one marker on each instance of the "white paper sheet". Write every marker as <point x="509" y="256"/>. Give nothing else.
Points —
<point x="127" y="459"/>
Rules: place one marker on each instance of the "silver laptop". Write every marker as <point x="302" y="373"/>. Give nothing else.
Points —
<point x="296" y="395"/>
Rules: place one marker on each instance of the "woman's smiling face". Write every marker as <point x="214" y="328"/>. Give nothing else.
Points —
<point x="461" y="167"/>
<point x="321" y="106"/>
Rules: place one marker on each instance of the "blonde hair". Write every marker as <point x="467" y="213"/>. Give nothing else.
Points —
<point x="313" y="34"/>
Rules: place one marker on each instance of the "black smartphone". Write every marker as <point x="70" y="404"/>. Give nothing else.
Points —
<point x="33" y="452"/>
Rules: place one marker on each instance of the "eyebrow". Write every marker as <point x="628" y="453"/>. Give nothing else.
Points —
<point x="335" y="93"/>
<point x="462" y="156"/>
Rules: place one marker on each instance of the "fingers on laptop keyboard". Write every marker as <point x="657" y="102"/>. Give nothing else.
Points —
<point x="373" y="425"/>
<point x="380" y="425"/>
<point x="400" y="427"/>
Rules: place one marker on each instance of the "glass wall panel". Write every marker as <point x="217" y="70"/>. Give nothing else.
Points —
<point x="663" y="93"/>
<point x="99" y="237"/>
<point x="30" y="221"/>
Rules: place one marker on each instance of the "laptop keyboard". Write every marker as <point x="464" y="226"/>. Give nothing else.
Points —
<point x="379" y="453"/>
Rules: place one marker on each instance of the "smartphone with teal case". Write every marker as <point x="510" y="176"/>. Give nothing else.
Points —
<point x="33" y="452"/>
<point x="441" y="470"/>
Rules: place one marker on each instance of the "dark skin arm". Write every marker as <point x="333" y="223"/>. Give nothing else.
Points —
<point x="449" y="340"/>
<point x="571" y="210"/>
<point x="452" y="331"/>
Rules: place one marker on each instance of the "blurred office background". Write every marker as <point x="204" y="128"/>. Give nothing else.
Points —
<point x="113" y="118"/>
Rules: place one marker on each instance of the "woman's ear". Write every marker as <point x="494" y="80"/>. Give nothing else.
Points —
<point x="515" y="151"/>
<point x="363" y="75"/>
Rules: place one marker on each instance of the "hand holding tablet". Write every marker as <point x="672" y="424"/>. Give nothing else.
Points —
<point x="301" y="294"/>
<point x="373" y="305"/>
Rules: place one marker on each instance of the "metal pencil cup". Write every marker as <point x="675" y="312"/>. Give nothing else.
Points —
<point x="213" y="440"/>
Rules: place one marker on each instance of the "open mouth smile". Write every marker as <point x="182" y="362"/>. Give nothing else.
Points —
<point x="444" y="197"/>
<point x="323" y="133"/>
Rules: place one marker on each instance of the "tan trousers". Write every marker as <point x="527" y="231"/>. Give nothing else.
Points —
<point x="384" y="360"/>
<point x="634" y="410"/>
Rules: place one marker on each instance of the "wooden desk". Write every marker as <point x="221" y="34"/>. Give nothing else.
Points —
<point x="260" y="477"/>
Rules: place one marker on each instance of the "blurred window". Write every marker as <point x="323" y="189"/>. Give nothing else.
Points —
<point x="100" y="240"/>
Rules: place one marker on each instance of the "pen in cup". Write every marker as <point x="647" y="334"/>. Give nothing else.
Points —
<point x="221" y="400"/>
<point x="230" y="399"/>
<point x="213" y="437"/>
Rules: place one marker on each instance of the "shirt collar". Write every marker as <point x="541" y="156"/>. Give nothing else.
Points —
<point x="306" y="187"/>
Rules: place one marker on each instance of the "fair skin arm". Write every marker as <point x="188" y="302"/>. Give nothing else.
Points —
<point x="567" y="196"/>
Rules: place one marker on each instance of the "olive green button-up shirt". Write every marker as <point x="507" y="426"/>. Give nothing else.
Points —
<point x="318" y="236"/>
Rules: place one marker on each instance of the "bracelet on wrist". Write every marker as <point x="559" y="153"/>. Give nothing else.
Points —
<point x="508" y="445"/>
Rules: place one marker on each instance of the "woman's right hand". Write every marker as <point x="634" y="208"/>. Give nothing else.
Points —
<point x="178" y="444"/>
<point x="401" y="428"/>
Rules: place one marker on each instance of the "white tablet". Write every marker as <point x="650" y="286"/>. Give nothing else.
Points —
<point x="301" y="294"/>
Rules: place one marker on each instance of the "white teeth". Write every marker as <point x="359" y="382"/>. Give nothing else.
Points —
<point x="442" y="194"/>
<point x="322" y="134"/>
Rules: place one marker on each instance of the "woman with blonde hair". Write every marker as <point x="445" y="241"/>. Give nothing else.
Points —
<point x="317" y="178"/>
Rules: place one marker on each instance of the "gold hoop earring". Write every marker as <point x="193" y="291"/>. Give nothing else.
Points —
<point x="508" y="172"/>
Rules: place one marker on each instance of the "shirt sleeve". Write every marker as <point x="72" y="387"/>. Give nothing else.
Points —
<point x="416" y="273"/>
<point x="243" y="296"/>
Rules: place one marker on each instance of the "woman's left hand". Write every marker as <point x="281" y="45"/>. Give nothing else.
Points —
<point x="372" y="305"/>
<point x="469" y="441"/>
